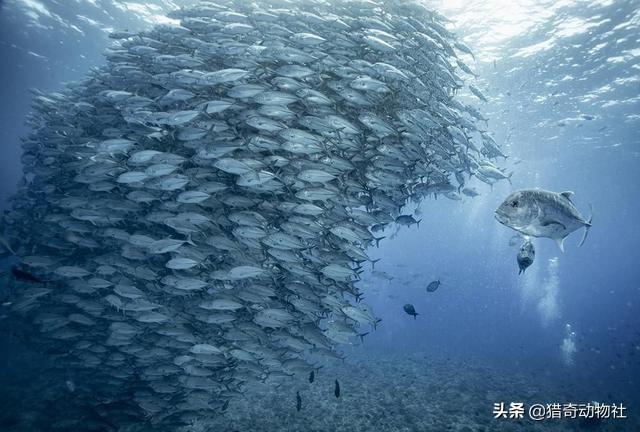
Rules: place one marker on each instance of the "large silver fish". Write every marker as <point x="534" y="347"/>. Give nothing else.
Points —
<point x="542" y="213"/>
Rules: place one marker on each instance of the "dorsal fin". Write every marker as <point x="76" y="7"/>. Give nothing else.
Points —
<point x="567" y="194"/>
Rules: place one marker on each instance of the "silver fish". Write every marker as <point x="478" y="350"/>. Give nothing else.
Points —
<point x="542" y="213"/>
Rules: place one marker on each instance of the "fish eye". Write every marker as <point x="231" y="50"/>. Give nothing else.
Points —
<point x="514" y="203"/>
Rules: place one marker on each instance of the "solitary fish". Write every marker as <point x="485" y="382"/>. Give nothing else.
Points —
<point x="312" y="376"/>
<point x="526" y="255"/>
<point x="409" y="309"/>
<point x="433" y="286"/>
<point x="298" y="401"/>
<point x="336" y="390"/>
<point x="541" y="213"/>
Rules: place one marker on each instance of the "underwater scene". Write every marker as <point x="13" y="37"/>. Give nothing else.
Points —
<point x="320" y="215"/>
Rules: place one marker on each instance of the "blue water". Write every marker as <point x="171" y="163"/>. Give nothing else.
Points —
<point x="564" y="102"/>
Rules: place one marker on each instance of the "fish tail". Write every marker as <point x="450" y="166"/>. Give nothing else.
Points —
<point x="377" y="239"/>
<point x="418" y="223"/>
<point x="587" y="226"/>
<point x="373" y="263"/>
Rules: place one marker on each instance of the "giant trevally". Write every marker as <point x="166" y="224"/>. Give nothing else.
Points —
<point x="542" y="213"/>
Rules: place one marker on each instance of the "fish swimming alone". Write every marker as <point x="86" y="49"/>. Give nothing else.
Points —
<point x="526" y="255"/>
<point x="336" y="389"/>
<point x="410" y="310"/>
<point x="433" y="286"/>
<point x="542" y="213"/>
<point x="298" y="401"/>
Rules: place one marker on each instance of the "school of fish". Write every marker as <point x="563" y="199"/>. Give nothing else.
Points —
<point x="198" y="209"/>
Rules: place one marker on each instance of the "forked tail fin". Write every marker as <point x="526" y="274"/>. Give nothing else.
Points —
<point x="587" y="225"/>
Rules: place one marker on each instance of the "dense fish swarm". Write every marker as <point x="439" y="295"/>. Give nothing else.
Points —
<point x="200" y="206"/>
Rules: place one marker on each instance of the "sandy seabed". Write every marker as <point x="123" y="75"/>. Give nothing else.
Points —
<point x="406" y="393"/>
<point x="379" y="392"/>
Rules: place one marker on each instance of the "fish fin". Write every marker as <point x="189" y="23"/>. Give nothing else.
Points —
<point x="587" y="226"/>
<point x="509" y="178"/>
<point x="560" y="243"/>
<point x="567" y="194"/>
<point x="547" y="223"/>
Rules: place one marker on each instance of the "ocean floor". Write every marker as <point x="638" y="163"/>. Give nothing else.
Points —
<point x="405" y="393"/>
<point x="379" y="392"/>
